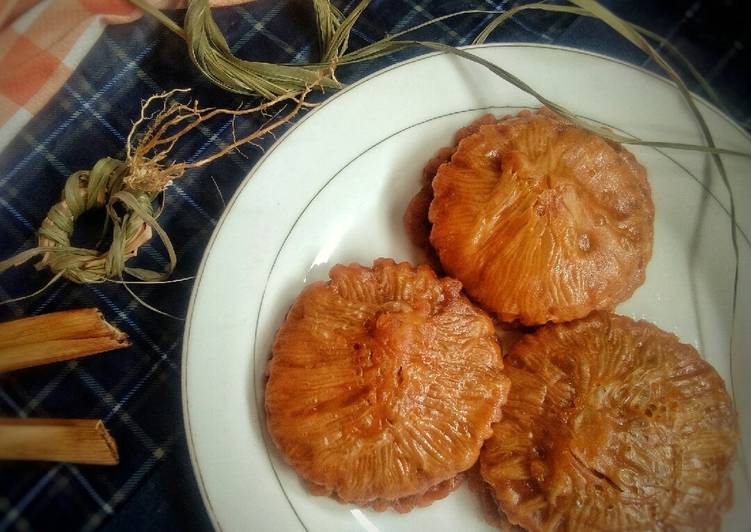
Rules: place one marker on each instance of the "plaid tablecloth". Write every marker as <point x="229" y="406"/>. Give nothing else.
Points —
<point x="137" y="391"/>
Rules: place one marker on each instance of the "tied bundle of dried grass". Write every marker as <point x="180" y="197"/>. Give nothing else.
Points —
<point x="209" y="51"/>
<point x="131" y="192"/>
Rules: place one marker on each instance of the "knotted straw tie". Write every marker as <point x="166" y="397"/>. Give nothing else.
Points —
<point x="131" y="213"/>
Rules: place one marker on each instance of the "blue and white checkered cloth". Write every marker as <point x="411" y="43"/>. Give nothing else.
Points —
<point x="137" y="391"/>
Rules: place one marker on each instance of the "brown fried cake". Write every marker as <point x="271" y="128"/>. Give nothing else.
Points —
<point x="541" y="220"/>
<point x="383" y="385"/>
<point x="611" y="424"/>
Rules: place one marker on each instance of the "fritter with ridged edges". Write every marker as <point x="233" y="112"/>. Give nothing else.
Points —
<point x="611" y="424"/>
<point x="383" y="384"/>
<point x="541" y="220"/>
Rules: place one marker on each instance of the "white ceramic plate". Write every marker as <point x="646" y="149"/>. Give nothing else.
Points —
<point x="334" y="189"/>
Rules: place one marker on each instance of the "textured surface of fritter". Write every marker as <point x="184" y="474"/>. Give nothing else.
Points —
<point x="415" y="219"/>
<point x="541" y="220"/>
<point x="383" y="384"/>
<point x="611" y="424"/>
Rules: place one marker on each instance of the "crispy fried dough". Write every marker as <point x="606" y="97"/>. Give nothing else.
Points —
<point x="611" y="424"/>
<point x="383" y="384"/>
<point x="541" y="220"/>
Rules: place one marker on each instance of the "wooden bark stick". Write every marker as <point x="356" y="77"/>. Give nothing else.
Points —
<point x="55" y="337"/>
<point x="81" y="441"/>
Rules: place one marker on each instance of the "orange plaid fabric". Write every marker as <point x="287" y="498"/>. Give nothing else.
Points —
<point x="42" y="41"/>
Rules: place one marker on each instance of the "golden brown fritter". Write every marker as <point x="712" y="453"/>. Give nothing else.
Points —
<point x="611" y="424"/>
<point x="383" y="384"/>
<point x="541" y="220"/>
